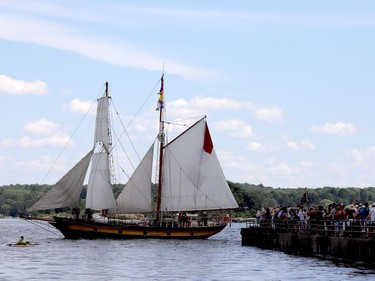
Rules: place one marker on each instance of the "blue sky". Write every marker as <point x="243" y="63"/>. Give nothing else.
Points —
<point x="287" y="86"/>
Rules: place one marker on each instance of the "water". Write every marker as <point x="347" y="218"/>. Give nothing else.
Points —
<point x="219" y="258"/>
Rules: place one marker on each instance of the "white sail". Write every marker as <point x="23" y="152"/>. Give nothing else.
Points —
<point x="66" y="192"/>
<point x="101" y="128"/>
<point x="99" y="190"/>
<point x="193" y="178"/>
<point x="136" y="196"/>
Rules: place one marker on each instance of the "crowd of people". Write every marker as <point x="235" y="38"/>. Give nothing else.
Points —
<point x="356" y="219"/>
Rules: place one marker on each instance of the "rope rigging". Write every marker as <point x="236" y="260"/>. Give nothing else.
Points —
<point x="71" y="137"/>
<point x="125" y="130"/>
<point x="39" y="223"/>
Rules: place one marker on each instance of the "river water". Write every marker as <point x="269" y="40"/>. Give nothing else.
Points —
<point x="220" y="257"/>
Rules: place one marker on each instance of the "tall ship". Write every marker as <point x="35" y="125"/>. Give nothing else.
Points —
<point x="190" y="184"/>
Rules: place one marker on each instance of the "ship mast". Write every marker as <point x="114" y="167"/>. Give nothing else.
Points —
<point x="161" y="145"/>
<point x="109" y="148"/>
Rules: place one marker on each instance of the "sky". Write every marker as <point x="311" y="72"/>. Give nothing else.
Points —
<point x="287" y="86"/>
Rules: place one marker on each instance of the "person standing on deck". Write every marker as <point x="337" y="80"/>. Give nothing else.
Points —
<point x="184" y="219"/>
<point x="75" y="213"/>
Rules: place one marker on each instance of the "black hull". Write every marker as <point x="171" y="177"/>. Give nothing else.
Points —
<point x="75" y="229"/>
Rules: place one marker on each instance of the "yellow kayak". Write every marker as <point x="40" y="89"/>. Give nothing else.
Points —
<point x="28" y="244"/>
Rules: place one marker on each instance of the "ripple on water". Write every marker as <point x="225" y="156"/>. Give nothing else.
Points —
<point x="219" y="258"/>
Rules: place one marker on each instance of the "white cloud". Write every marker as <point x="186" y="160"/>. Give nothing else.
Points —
<point x="58" y="36"/>
<point x="231" y="160"/>
<point x="11" y="86"/>
<point x="292" y="145"/>
<point x="146" y="124"/>
<point x="354" y="168"/>
<point x="255" y="146"/>
<point x="362" y="157"/>
<point x="200" y="105"/>
<point x="7" y="143"/>
<point x="262" y="148"/>
<point x="77" y="105"/>
<point x="41" y="127"/>
<point x="215" y="103"/>
<point x="338" y="128"/>
<point x="269" y="114"/>
<point x="41" y="164"/>
<point x="235" y="128"/>
<point x="5" y="157"/>
<point x="50" y="136"/>
<point x="308" y="144"/>
<point x="181" y="108"/>
<point x="54" y="141"/>
<point x="110" y="14"/>
<point x="297" y="145"/>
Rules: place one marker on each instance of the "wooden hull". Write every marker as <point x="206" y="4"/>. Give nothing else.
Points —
<point x="75" y="229"/>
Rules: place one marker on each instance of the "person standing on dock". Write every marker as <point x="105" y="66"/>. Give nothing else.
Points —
<point x="302" y="219"/>
<point x="371" y="228"/>
<point x="364" y="212"/>
<point x="372" y="212"/>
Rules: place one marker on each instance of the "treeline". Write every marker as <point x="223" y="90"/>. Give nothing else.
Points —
<point x="252" y="197"/>
<point x="14" y="199"/>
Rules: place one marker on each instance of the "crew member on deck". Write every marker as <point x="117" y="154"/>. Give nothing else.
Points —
<point x="104" y="213"/>
<point x="184" y="219"/>
<point x="205" y="219"/>
<point x="179" y="219"/>
<point x="75" y="213"/>
<point x="88" y="213"/>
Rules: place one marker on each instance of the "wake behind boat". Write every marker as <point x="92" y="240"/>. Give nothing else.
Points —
<point x="190" y="183"/>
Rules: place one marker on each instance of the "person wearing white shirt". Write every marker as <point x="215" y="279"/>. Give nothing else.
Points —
<point x="371" y="228"/>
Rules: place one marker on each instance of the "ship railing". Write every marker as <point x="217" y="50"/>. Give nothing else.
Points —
<point x="123" y="219"/>
<point x="339" y="228"/>
<point x="168" y="220"/>
<point x="191" y="220"/>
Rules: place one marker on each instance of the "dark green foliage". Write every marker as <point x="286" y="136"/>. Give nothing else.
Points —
<point x="14" y="199"/>
<point x="252" y="197"/>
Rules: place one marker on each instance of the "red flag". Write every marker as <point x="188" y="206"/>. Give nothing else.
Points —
<point x="208" y="146"/>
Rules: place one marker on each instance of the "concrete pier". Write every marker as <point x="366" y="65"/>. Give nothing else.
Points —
<point x="358" y="251"/>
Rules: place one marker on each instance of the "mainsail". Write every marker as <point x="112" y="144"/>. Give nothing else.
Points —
<point x="99" y="190"/>
<point x="193" y="178"/>
<point x="66" y="192"/>
<point x="136" y="195"/>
